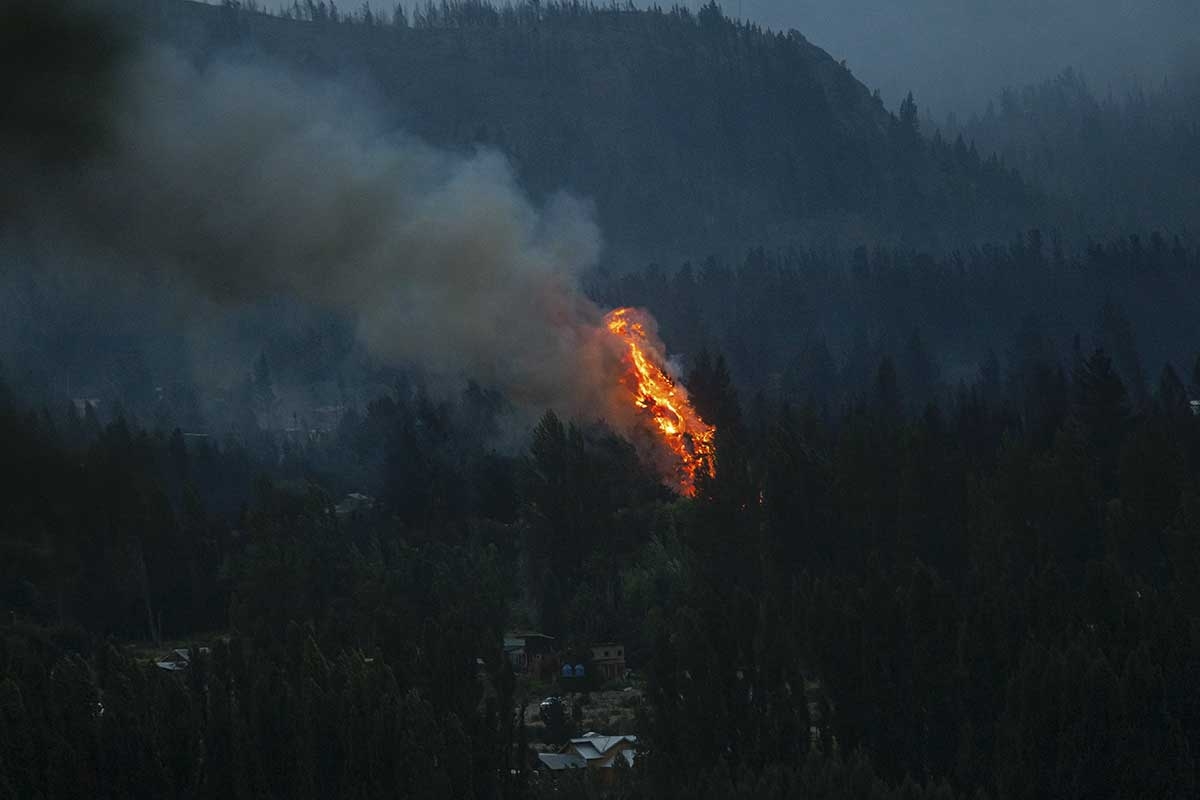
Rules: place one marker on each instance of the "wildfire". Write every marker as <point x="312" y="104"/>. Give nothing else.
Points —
<point x="664" y="402"/>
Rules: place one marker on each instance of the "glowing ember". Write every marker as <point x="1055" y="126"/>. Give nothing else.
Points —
<point x="664" y="402"/>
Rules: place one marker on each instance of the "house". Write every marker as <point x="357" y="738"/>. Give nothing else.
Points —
<point x="355" y="503"/>
<point x="608" y="660"/>
<point x="591" y="751"/>
<point x="602" y="752"/>
<point x="528" y="650"/>
<point x="178" y="659"/>
<point x="556" y="762"/>
<point x="1195" y="404"/>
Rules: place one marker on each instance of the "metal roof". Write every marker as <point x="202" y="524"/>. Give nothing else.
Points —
<point x="559" y="761"/>
<point x="588" y="751"/>
<point x="526" y="635"/>
<point x="595" y="743"/>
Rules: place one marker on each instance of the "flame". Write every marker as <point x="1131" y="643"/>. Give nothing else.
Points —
<point x="662" y="400"/>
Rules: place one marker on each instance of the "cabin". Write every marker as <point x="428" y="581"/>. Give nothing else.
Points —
<point x="527" y="651"/>
<point x="179" y="659"/>
<point x="608" y="661"/>
<point x="354" y="503"/>
<point x="591" y="751"/>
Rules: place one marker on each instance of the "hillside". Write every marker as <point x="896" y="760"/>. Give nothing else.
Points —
<point x="1126" y="161"/>
<point x="341" y="462"/>
<point x="691" y="133"/>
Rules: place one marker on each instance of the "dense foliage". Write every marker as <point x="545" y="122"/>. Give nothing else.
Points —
<point x="1123" y="161"/>
<point x="990" y="590"/>
<point x="814" y="325"/>
<point x="691" y="133"/>
<point x="950" y="546"/>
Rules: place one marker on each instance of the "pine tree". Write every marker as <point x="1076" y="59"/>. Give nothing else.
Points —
<point x="886" y="398"/>
<point x="1172" y="398"/>
<point x="1102" y="407"/>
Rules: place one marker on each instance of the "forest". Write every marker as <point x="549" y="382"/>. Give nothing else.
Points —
<point x="946" y="543"/>
<point x="754" y="135"/>
<point x="1129" y="160"/>
<point x="991" y="590"/>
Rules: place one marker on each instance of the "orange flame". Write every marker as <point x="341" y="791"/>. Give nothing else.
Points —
<point x="662" y="400"/>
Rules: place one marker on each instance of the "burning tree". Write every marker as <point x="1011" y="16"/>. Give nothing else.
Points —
<point x="663" y="401"/>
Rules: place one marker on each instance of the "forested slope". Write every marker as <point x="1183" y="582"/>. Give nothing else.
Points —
<point x="691" y="133"/>
<point x="1125" y="161"/>
<point x="949" y="546"/>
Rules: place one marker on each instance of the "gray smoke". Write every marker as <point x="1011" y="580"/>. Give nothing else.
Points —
<point x="244" y="182"/>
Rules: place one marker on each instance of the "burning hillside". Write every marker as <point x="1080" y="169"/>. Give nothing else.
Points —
<point x="309" y="194"/>
<point x="662" y="402"/>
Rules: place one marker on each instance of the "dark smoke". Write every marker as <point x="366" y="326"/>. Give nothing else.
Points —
<point x="60" y="63"/>
<point x="245" y="182"/>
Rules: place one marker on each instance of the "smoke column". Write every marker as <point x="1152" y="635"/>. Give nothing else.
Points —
<point x="239" y="179"/>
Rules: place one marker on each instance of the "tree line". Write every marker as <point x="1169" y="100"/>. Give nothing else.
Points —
<point x="751" y="135"/>
<point x="979" y="591"/>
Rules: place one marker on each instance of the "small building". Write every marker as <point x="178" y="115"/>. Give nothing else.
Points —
<point x="178" y="659"/>
<point x="1195" y="404"/>
<point x="175" y="662"/>
<point x="557" y="762"/>
<point x="608" y="661"/>
<point x="528" y="650"/>
<point x="591" y="751"/>
<point x="354" y="503"/>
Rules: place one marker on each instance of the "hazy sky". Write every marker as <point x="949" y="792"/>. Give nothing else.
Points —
<point x="954" y="54"/>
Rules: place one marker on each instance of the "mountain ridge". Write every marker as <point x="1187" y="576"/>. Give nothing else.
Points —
<point x="692" y="134"/>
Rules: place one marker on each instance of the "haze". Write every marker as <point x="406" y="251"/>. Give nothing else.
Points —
<point x="955" y="55"/>
<point x="530" y="399"/>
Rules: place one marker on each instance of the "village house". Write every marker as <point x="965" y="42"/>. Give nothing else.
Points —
<point x="527" y="651"/>
<point x="355" y="503"/>
<point x="608" y="661"/>
<point x="179" y="659"/>
<point x="591" y="751"/>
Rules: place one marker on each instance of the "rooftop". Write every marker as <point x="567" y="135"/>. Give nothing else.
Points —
<point x="560" y="761"/>
<point x="526" y="635"/>
<point x="593" y="745"/>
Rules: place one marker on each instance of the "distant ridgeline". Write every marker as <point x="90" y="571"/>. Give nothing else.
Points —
<point x="1104" y="151"/>
<point x="692" y="133"/>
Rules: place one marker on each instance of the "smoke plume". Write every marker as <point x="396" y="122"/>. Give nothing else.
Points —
<point x="245" y="181"/>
